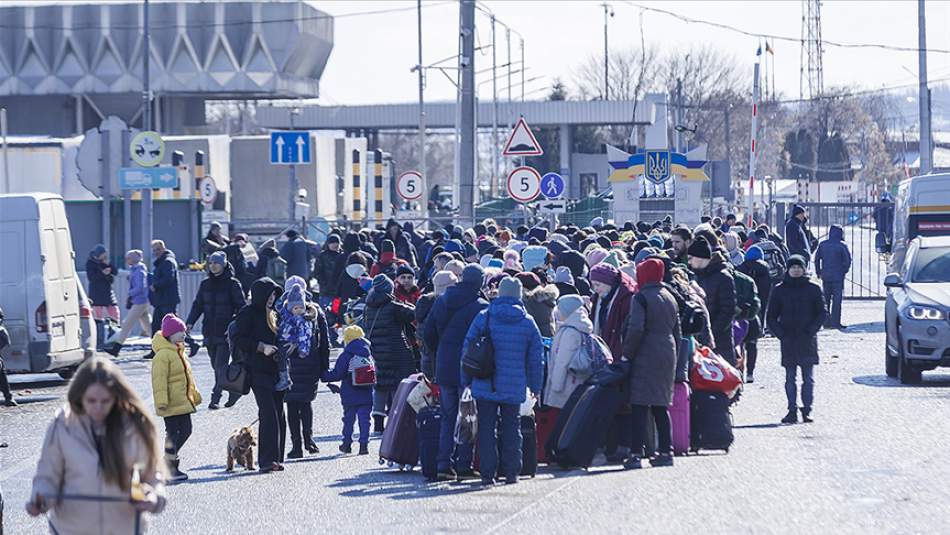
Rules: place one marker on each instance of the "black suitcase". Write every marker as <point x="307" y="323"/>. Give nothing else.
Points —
<point x="586" y="426"/>
<point x="429" y="425"/>
<point x="529" y="447"/>
<point x="711" y="420"/>
<point x="550" y="445"/>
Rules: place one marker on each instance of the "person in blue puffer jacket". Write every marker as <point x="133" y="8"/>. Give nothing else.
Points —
<point x="832" y="263"/>
<point x="518" y="367"/>
<point x="357" y="400"/>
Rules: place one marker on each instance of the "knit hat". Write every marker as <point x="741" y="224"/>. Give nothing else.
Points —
<point x="495" y="263"/>
<point x="700" y="249"/>
<point x="651" y="270"/>
<point x="473" y="274"/>
<point x="484" y="260"/>
<point x="442" y="280"/>
<point x="605" y="273"/>
<point x="353" y="332"/>
<point x="388" y="247"/>
<point x="510" y="287"/>
<point x="295" y="280"/>
<point x="517" y="246"/>
<point x="615" y="258"/>
<point x="557" y="247"/>
<point x="486" y="246"/>
<point x="404" y="269"/>
<point x="218" y="258"/>
<point x="295" y="297"/>
<point x="597" y="222"/>
<point x="97" y="250"/>
<point x="754" y="253"/>
<point x="797" y="209"/>
<point x="533" y="256"/>
<point x="382" y="284"/>
<point x="645" y="253"/>
<point x="454" y="246"/>
<point x="333" y="238"/>
<point x="563" y="275"/>
<point x="529" y="280"/>
<point x="540" y="233"/>
<point x="567" y="304"/>
<point x="596" y="256"/>
<point x="797" y="260"/>
<point x="656" y="241"/>
<point x="172" y="324"/>
<point x="135" y="255"/>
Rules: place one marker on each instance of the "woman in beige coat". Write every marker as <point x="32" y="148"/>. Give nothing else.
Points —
<point x="101" y="463"/>
<point x="574" y="324"/>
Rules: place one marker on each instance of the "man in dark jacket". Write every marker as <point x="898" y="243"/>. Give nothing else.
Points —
<point x="402" y="242"/>
<point x="796" y="314"/>
<point x="796" y="239"/>
<point x="163" y="289"/>
<point x="450" y="318"/>
<point x="220" y="297"/>
<point x="386" y="323"/>
<point x="235" y="255"/>
<point x="101" y="274"/>
<point x="267" y="256"/>
<point x="832" y="263"/>
<point x="758" y="270"/>
<point x="715" y="278"/>
<point x="298" y="253"/>
<point x="325" y="271"/>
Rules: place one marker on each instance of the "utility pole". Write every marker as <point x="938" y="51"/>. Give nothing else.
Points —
<point x="522" y="70"/>
<point x="493" y="187"/>
<point x="508" y="109"/>
<point x="294" y="183"/>
<point x="679" y="115"/>
<point x="926" y="147"/>
<point x="467" y="126"/>
<point x="755" y="116"/>
<point x="6" y="153"/>
<point x="146" y="125"/>
<point x="728" y="155"/>
<point x="608" y="11"/>
<point x="422" y="118"/>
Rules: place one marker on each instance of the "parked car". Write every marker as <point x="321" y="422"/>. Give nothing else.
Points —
<point x="916" y="310"/>
<point x="39" y="289"/>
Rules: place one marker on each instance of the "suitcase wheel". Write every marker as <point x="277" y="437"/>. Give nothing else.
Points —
<point x="390" y="464"/>
<point x="382" y="461"/>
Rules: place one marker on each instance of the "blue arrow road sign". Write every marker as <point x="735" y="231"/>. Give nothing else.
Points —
<point x="289" y="147"/>
<point x="552" y="186"/>
<point x="148" y="177"/>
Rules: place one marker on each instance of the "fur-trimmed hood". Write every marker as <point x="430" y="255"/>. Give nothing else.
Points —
<point x="543" y="294"/>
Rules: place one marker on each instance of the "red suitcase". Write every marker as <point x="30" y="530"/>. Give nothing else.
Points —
<point x="679" y="418"/>
<point x="400" y="444"/>
<point x="545" y="419"/>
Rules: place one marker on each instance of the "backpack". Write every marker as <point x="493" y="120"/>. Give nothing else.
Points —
<point x="692" y="315"/>
<point x="479" y="360"/>
<point x="774" y="258"/>
<point x="362" y="370"/>
<point x="747" y="299"/>
<point x="591" y="357"/>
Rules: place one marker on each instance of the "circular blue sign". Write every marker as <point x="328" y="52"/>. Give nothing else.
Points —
<point x="552" y="186"/>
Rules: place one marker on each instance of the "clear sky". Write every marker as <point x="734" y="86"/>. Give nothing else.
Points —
<point x="373" y="54"/>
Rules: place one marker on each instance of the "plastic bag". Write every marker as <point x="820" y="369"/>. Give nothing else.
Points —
<point x="527" y="407"/>
<point x="466" y="426"/>
<point x="425" y="394"/>
<point x="711" y="372"/>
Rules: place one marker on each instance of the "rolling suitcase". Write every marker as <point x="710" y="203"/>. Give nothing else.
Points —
<point x="711" y="421"/>
<point x="429" y="427"/>
<point x="586" y="426"/>
<point x="550" y="445"/>
<point x="529" y="446"/>
<point x="400" y="444"/>
<point x="679" y="418"/>
<point x="545" y="419"/>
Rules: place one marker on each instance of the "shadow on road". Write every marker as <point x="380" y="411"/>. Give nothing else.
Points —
<point x="883" y="381"/>
<point x="869" y="327"/>
<point x="399" y="486"/>
<point x="757" y="426"/>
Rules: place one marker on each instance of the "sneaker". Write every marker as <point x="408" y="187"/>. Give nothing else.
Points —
<point x="213" y="406"/>
<point x="364" y="449"/>
<point x="633" y="463"/>
<point x="10" y="402"/>
<point x="447" y="474"/>
<point x="177" y="476"/>
<point x="662" y="460"/>
<point x="345" y="448"/>
<point x="295" y="453"/>
<point x="791" y="417"/>
<point x="311" y="447"/>
<point x="749" y="378"/>
<point x="806" y="416"/>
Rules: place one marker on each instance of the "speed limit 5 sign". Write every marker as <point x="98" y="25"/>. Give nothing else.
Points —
<point x="409" y="185"/>
<point x="524" y="184"/>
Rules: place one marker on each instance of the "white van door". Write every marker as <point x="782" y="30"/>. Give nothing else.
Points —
<point x="59" y="277"/>
<point x="13" y="293"/>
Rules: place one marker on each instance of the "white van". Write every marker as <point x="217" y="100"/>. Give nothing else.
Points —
<point x="922" y="208"/>
<point x="38" y="284"/>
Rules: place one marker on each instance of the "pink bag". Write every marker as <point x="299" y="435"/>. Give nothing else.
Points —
<point x="710" y="372"/>
<point x="679" y="418"/>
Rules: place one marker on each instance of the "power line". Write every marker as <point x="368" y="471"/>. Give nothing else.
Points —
<point x="202" y="25"/>
<point x="854" y="93"/>
<point x="796" y="40"/>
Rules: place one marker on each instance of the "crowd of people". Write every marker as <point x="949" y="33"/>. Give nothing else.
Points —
<point x="418" y="301"/>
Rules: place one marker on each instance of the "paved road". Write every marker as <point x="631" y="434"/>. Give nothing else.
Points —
<point x="875" y="461"/>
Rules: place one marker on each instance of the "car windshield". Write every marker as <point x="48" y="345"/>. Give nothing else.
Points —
<point x="932" y="265"/>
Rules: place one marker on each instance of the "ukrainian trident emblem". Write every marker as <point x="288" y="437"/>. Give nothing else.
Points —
<point x="658" y="166"/>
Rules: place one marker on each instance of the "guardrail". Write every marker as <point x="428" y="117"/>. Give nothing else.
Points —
<point x="188" y="282"/>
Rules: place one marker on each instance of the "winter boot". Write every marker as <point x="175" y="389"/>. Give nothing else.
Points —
<point x="113" y="349"/>
<point x="10" y="402"/>
<point x="100" y="335"/>
<point x="296" y="452"/>
<point x="633" y="463"/>
<point x="791" y="417"/>
<point x="346" y="447"/>
<point x="806" y="416"/>
<point x="175" y="474"/>
<point x="312" y="447"/>
<point x="364" y="449"/>
<point x="663" y="459"/>
<point x="378" y="426"/>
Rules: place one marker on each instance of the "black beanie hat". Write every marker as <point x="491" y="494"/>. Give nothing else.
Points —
<point x="388" y="246"/>
<point x="797" y="260"/>
<point x="700" y="249"/>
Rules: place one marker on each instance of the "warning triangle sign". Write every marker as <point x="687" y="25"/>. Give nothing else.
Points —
<point x="522" y="142"/>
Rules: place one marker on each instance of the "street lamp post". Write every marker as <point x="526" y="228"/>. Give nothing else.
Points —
<point x="608" y="12"/>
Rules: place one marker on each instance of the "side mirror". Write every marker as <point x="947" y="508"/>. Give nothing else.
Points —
<point x="893" y="280"/>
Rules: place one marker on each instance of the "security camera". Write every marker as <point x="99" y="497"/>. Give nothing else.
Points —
<point x="301" y="194"/>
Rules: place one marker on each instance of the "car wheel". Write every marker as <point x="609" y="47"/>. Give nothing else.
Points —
<point x="67" y="373"/>
<point x="907" y="373"/>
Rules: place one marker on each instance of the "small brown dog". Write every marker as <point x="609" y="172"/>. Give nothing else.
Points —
<point x="241" y="448"/>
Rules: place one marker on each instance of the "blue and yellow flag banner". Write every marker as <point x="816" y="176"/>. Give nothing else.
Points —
<point x="637" y="165"/>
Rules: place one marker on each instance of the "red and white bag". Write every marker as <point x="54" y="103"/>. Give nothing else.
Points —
<point x="363" y="370"/>
<point x="710" y="372"/>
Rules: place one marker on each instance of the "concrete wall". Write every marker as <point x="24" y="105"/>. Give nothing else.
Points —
<point x="582" y="163"/>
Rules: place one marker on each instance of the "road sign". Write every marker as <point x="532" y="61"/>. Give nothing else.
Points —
<point x="524" y="184"/>
<point x="208" y="190"/>
<point x="147" y="148"/>
<point x="552" y="186"/>
<point x="148" y="177"/>
<point x="409" y="185"/>
<point x="289" y="147"/>
<point x="522" y="142"/>
<point x="556" y="206"/>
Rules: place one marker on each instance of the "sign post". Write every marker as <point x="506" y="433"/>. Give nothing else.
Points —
<point x="409" y="185"/>
<point x="290" y="147"/>
<point x="521" y="141"/>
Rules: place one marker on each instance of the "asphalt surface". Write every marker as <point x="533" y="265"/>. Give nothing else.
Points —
<point x="875" y="461"/>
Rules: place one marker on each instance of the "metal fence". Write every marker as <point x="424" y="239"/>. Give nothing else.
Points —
<point x="188" y="282"/>
<point x="868" y="267"/>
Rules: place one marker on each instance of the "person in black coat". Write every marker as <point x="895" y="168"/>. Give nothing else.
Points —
<point x="715" y="278"/>
<point x="796" y="314"/>
<point x="386" y="323"/>
<point x="326" y="269"/>
<point x="349" y="287"/>
<point x="796" y="237"/>
<point x="256" y="342"/>
<point x="163" y="286"/>
<point x="756" y="268"/>
<point x="403" y="243"/>
<point x="220" y="297"/>
<point x="101" y="274"/>
<point x="235" y="255"/>
<point x="267" y="254"/>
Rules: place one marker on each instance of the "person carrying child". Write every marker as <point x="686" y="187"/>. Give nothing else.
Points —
<point x="356" y="389"/>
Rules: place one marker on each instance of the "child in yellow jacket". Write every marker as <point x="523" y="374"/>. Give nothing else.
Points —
<point x="173" y="389"/>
